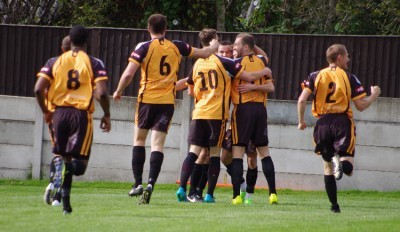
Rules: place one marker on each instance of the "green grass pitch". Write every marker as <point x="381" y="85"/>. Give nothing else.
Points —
<point x="105" y="206"/>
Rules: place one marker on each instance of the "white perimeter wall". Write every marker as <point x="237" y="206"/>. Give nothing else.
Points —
<point x="25" y="149"/>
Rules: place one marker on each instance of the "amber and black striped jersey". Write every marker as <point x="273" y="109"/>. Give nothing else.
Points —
<point x="333" y="88"/>
<point x="159" y="60"/>
<point x="211" y="78"/>
<point x="250" y="63"/>
<point x="72" y="77"/>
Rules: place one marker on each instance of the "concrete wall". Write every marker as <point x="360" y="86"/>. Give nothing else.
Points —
<point x="25" y="149"/>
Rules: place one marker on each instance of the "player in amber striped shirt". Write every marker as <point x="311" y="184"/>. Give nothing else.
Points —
<point x="70" y="80"/>
<point x="249" y="117"/>
<point x="335" y="133"/>
<point x="159" y="61"/>
<point x="211" y="84"/>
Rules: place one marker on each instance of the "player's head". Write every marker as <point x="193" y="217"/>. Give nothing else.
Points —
<point x="66" y="44"/>
<point x="244" y="45"/>
<point x="206" y="35"/>
<point x="225" y="49"/>
<point x="337" y="54"/>
<point x="157" y="24"/>
<point x="78" y="35"/>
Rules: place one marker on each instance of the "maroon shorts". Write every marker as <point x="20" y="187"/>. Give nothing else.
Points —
<point x="207" y="133"/>
<point x="73" y="132"/>
<point x="334" y="133"/>
<point x="154" y="116"/>
<point x="249" y="123"/>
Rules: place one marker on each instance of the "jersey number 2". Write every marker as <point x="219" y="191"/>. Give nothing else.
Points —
<point x="332" y="90"/>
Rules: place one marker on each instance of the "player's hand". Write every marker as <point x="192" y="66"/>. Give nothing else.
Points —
<point x="375" y="90"/>
<point x="48" y="116"/>
<point x="105" y="124"/>
<point x="117" y="96"/>
<point x="244" y="88"/>
<point x="302" y="126"/>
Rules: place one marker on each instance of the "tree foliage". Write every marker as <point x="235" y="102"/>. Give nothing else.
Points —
<point x="373" y="17"/>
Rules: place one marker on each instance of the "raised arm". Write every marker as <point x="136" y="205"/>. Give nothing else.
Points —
<point x="206" y="51"/>
<point x="363" y="103"/>
<point x="258" y="51"/>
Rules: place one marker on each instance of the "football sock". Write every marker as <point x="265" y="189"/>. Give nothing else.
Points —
<point x="269" y="172"/>
<point x="204" y="177"/>
<point x="229" y="169"/>
<point x="213" y="173"/>
<point x="195" y="177"/>
<point x="138" y="159"/>
<point x="237" y="175"/>
<point x="251" y="179"/>
<point x="330" y="187"/>
<point x="187" y="167"/>
<point x="66" y="186"/>
<point x="156" y="160"/>
<point x="79" y="167"/>
<point x="347" y="167"/>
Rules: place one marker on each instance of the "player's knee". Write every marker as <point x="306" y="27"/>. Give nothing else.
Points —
<point x="347" y="167"/>
<point x="79" y="167"/>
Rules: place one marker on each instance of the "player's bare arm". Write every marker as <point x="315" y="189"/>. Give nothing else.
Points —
<point x="265" y="88"/>
<point x="181" y="84"/>
<point x="301" y="108"/>
<point x="206" y="51"/>
<point x="253" y="76"/>
<point x="101" y="95"/>
<point x="125" y="80"/>
<point x="40" y="92"/>
<point x="363" y="103"/>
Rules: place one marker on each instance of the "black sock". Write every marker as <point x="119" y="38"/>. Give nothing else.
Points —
<point x="269" y="172"/>
<point x="138" y="159"/>
<point x="347" y="167"/>
<point x="195" y="178"/>
<point x="66" y="186"/>
<point x="187" y="167"/>
<point x="229" y="169"/>
<point x="330" y="187"/>
<point x="251" y="179"/>
<point x="213" y="174"/>
<point x="237" y="175"/>
<point x="156" y="160"/>
<point x="79" y="167"/>
<point x="204" y="178"/>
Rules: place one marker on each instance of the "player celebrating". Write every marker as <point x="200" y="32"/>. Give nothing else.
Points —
<point x="211" y="84"/>
<point x="249" y="118"/>
<point x="159" y="60"/>
<point x="334" y="133"/>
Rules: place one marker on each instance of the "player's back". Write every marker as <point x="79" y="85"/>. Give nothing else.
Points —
<point x="72" y="83"/>
<point x="332" y="92"/>
<point x="212" y="86"/>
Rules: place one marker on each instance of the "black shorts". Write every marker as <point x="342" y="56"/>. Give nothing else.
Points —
<point x="227" y="143"/>
<point x="334" y="133"/>
<point x="207" y="133"/>
<point x="73" y="132"/>
<point x="249" y="123"/>
<point x="154" y="116"/>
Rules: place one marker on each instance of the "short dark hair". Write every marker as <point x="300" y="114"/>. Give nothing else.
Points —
<point x="206" y="35"/>
<point x="157" y="23"/>
<point x="334" y="51"/>
<point x="247" y="39"/>
<point x="225" y="43"/>
<point x="78" y="35"/>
